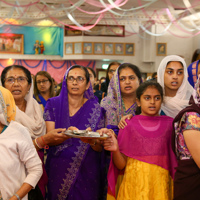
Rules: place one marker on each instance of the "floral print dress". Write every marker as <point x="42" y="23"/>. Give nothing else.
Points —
<point x="189" y="121"/>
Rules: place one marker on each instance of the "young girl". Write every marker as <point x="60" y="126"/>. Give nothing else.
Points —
<point x="143" y="150"/>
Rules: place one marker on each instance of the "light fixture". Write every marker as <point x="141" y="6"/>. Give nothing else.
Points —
<point x="105" y="66"/>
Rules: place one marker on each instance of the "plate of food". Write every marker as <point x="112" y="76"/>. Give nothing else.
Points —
<point x="85" y="134"/>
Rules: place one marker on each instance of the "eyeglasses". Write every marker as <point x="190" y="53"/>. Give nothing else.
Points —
<point x="111" y="71"/>
<point x="20" y="80"/>
<point x="42" y="81"/>
<point x="79" y="79"/>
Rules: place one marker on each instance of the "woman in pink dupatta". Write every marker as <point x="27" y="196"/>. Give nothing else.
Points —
<point x="143" y="149"/>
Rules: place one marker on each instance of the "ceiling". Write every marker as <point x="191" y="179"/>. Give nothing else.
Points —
<point x="77" y="12"/>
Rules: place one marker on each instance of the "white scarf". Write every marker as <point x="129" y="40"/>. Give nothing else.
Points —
<point x="32" y="118"/>
<point x="173" y="105"/>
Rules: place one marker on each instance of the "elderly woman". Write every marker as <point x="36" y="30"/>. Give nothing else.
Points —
<point x="17" y="79"/>
<point x="172" y="76"/>
<point x="78" y="165"/>
<point x="20" y="167"/>
<point x="43" y="87"/>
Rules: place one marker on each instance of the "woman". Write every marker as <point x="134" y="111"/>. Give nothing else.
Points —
<point x="20" y="167"/>
<point x="98" y="94"/>
<point x="17" y="79"/>
<point x="43" y="88"/>
<point x="78" y="165"/>
<point x="186" y="148"/>
<point x="172" y="76"/>
<point x="109" y="74"/>
<point x="121" y="98"/>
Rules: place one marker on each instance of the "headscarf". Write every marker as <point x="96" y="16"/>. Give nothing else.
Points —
<point x="32" y="118"/>
<point x="196" y="92"/>
<point x="7" y="106"/>
<point x="173" y="105"/>
<point x="113" y="102"/>
<point x="192" y="73"/>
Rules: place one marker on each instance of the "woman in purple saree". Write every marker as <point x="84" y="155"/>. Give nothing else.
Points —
<point x="75" y="169"/>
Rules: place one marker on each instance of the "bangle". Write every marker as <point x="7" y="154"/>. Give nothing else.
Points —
<point x="37" y="144"/>
<point x="18" y="198"/>
<point x="45" y="145"/>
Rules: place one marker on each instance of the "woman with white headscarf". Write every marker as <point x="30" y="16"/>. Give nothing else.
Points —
<point x="20" y="168"/>
<point x="172" y="76"/>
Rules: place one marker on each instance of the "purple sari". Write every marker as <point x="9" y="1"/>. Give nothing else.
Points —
<point x="74" y="169"/>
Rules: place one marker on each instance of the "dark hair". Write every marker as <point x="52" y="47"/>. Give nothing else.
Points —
<point x="92" y="70"/>
<point x="175" y="61"/>
<point x="107" y="77"/>
<point x="47" y="75"/>
<point x="196" y="55"/>
<point x="87" y="75"/>
<point x="6" y="69"/>
<point x="154" y="75"/>
<point x="143" y="87"/>
<point x="133" y="67"/>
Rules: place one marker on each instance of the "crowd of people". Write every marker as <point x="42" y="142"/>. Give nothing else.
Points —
<point x="153" y="129"/>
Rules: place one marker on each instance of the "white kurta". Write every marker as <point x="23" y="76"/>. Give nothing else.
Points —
<point x="19" y="161"/>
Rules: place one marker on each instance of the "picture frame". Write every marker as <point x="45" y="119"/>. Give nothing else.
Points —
<point x="11" y="43"/>
<point x="161" y="49"/>
<point x="98" y="48"/>
<point x="129" y="49"/>
<point x="108" y="48"/>
<point x="87" y="47"/>
<point x="119" y="48"/>
<point x="77" y="47"/>
<point x="72" y="32"/>
<point x="69" y="48"/>
<point x="106" y="30"/>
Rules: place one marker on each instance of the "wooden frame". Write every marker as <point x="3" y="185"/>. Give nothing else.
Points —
<point x="106" y="30"/>
<point x="72" y="32"/>
<point x="119" y="48"/>
<point x="11" y="43"/>
<point x="129" y="49"/>
<point x="98" y="48"/>
<point x="69" y="48"/>
<point x="78" y="47"/>
<point x="87" y="47"/>
<point x="161" y="49"/>
<point x="108" y="48"/>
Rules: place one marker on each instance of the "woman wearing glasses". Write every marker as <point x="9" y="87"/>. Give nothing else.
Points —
<point x="43" y="88"/>
<point x="17" y="79"/>
<point x="75" y="169"/>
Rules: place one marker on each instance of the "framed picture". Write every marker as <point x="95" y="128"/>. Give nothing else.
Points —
<point x="68" y="48"/>
<point x="106" y="30"/>
<point x="108" y="48"/>
<point x="98" y="48"/>
<point x="119" y="48"/>
<point x="78" y="48"/>
<point x="129" y="49"/>
<point x="87" y="48"/>
<point x="11" y="43"/>
<point x="72" y="32"/>
<point x="161" y="49"/>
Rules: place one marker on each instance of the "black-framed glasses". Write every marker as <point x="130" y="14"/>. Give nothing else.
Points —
<point x="79" y="79"/>
<point x="20" y="80"/>
<point x="42" y="81"/>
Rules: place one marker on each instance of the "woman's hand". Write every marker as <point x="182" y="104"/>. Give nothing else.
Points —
<point x="122" y="124"/>
<point x="55" y="136"/>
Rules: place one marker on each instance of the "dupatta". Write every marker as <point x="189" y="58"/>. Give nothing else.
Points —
<point x="193" y="73"/>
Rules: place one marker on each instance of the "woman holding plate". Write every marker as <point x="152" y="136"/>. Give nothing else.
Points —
<point x="79" y="166"/>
